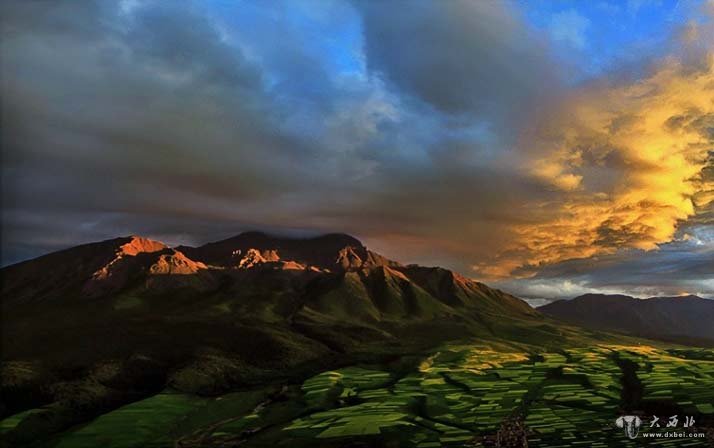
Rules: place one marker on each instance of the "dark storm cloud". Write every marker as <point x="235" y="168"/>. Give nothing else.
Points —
<point x="146" y="117"/>
<point x="472" y="57"/>
<point x="406" y="126"/>
<point x="107" y="113"/>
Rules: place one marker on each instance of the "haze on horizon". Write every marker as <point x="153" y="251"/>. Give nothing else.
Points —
<point x="546" y="148"/>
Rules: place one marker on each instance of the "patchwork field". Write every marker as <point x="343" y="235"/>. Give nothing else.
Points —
<point x="459" y="395"/>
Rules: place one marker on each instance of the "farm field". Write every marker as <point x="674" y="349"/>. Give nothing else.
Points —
<point x="459" y="395"/>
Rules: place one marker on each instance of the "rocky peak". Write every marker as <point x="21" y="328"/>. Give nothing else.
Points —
<point x="175" y="263"/>
<point x="347" y="259"/>
<point x="138" y="244"/>
<point x="331" y="252"/>
<point x="254" y="257"/>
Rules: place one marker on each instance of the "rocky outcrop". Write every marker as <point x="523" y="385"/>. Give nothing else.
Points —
<point x="86" y="270"/>
<point x="137" y="245"/>
<point x="254" y="257"/>
<point x="331" y="253"/>
<point x="175" y="263"/>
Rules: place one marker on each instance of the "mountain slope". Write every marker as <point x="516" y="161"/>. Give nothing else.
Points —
<point x="91" y="328"/>
<point x="686" y="318"/>
<point x="306" y="285"/>
<point x="335" y="275"/>
<point x="65" y="272"/>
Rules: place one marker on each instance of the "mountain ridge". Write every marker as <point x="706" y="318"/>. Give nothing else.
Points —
<point x="89" y="329"/>
<point x="110" y="266"/>
<point x="685" y="318"/>
<point x="305" y="284"/>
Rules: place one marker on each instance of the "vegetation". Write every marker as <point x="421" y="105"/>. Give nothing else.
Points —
<point x="330" y="345"/>
<point x="457" y="395"/>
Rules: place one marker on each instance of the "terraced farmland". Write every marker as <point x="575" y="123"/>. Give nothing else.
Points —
<point x="459" y="395"/>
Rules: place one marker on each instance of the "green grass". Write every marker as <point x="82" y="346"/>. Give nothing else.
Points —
<point x="147" y="423"/>
<point x="11" y="422"/>
<point x="454" y="396"/>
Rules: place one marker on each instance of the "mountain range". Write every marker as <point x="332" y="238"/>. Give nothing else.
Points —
<point x="90" y="328"/>
<point x="687" y="319"/>
<point x="303" y="274"/>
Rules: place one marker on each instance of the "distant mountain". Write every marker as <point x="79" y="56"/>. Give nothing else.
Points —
<point x="682" y="318"/>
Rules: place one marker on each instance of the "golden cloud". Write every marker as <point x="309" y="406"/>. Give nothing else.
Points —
<point x="624" y="166"/>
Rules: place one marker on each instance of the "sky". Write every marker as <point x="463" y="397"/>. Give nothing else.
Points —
<point x="549" y="148"/>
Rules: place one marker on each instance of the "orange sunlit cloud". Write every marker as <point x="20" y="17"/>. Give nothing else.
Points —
<point x="625" y="163"/>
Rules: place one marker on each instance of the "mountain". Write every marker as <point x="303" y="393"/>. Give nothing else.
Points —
<point x="90" y="328"/>
<point x="682" y="318"/>
<point x="332" y="252"/>
<point x="312" y="270"/>
<point x="63" y="273"/>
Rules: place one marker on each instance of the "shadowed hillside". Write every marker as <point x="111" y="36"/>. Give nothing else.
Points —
<point x="100" y="325"/>
<point x="257" y="340"/>
<point x="685" y="318"/>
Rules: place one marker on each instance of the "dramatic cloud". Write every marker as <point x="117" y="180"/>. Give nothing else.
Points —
<point x="465" y="57"/>
<point x="627" y="164"/>
<point x="439" y="133"/>
<point x="683" y="266"/>
<point x="158" y="119"/>
<point x="125" y="116"/>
